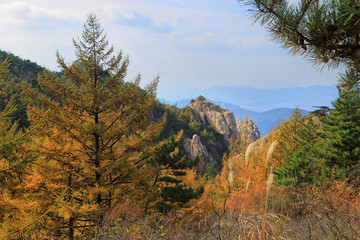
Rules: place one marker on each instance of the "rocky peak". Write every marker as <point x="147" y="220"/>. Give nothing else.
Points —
<point x="194" y="148"/>
<point x="221" y="120"/>
<point x="248" y="130"/>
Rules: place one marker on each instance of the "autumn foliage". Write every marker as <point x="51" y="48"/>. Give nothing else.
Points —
<point x="96" y="162"/>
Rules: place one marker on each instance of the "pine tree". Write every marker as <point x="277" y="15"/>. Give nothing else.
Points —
<point x="95" y="135"/>
<point x="325" y="31"/>
<point x="164" y="188"/>
<point x="304" y="165"/>
<point x="341" y="134"/>
<point x="328" y="33"/>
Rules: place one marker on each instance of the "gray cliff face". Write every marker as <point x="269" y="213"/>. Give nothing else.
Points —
<point x="248" y="130"/>
<point x="221" y="120"/>
<point x="194" y="148"/>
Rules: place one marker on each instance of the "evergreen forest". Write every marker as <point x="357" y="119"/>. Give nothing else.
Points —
<point x="87" y="154"/>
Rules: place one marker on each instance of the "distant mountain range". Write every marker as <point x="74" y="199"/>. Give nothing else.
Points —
<point x="258" y="100"/>
<point x="266" y="107"/>
<point x="265" y="121"/>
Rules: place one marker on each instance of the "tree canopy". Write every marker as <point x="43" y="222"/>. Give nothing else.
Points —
<point x="95" y="135"/>
<point x="326" y="32"/>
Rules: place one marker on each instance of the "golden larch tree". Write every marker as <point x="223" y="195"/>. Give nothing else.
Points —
<point x="95" y="135"/>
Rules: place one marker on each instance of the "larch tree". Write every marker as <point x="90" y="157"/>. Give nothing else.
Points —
<point x="11" y="90"/>
<point x="286" y="137"/>
<point x="95" y="135"/>
<point x="16" y="158"/>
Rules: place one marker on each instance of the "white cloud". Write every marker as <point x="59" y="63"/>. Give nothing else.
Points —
<point x="190" y="43"/>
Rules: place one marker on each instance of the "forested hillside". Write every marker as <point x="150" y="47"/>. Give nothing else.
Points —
<point x="24" y="69"/>
<point x="86" y="154"/>
<point x="19" y="71"/>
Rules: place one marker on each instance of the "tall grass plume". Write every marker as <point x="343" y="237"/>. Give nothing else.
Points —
<point x="248" y="151"/>
<point x="270" y="151"/>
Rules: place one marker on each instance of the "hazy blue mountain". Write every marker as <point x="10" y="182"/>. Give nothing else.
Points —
<point x="265" y="121"/>
<point x="266" y="107"/>
<point x="260" y="99"/>
<point x="268" y="120"/>
<point x="180" y="104"/>
<point x="240" y="113"/>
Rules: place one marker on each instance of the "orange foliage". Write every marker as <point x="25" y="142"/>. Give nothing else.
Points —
<point x="241" y="185"/>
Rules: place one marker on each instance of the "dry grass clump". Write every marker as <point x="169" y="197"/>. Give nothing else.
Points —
<point x="315" y="212"/>
<point x="329" y="212"/>
<point x="231" y="226"/>
<point x="318" y="225"/>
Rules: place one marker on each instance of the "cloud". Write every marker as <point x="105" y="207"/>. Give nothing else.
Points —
<point x="139" y="20"/>
<point x="190" y="43"/>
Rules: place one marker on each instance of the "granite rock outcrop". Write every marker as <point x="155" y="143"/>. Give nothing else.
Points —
<point x="194" y="148"/>
<point x="225" y="129"/>
<point x="248" y="131"/>
<point x="221" y="120"/>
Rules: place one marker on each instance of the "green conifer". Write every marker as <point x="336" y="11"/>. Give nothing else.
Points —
<point x="327" y="32"/>
<point x="303" y="166"/>
<point x="165" y="187"/>
<point x="341" y="134"/>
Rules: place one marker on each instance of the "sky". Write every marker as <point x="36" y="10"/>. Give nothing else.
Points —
<point x="189" y="43"/>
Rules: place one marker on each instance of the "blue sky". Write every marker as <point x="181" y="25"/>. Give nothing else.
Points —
<point x="190" y="43"/>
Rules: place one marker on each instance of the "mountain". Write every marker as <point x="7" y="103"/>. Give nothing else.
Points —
<point x="260" y="100"/>
<point x="220" y="119"/>
<point x="207" y="130"/>
<point x="208" y="126"/>
<point x="21" y="68"/>
<point x="19" y="71"/>
<point x="180" y="104"/>
<point x="265" y="121"/>
<point x="266" y="107"/>
<point x="268" y="120"/>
